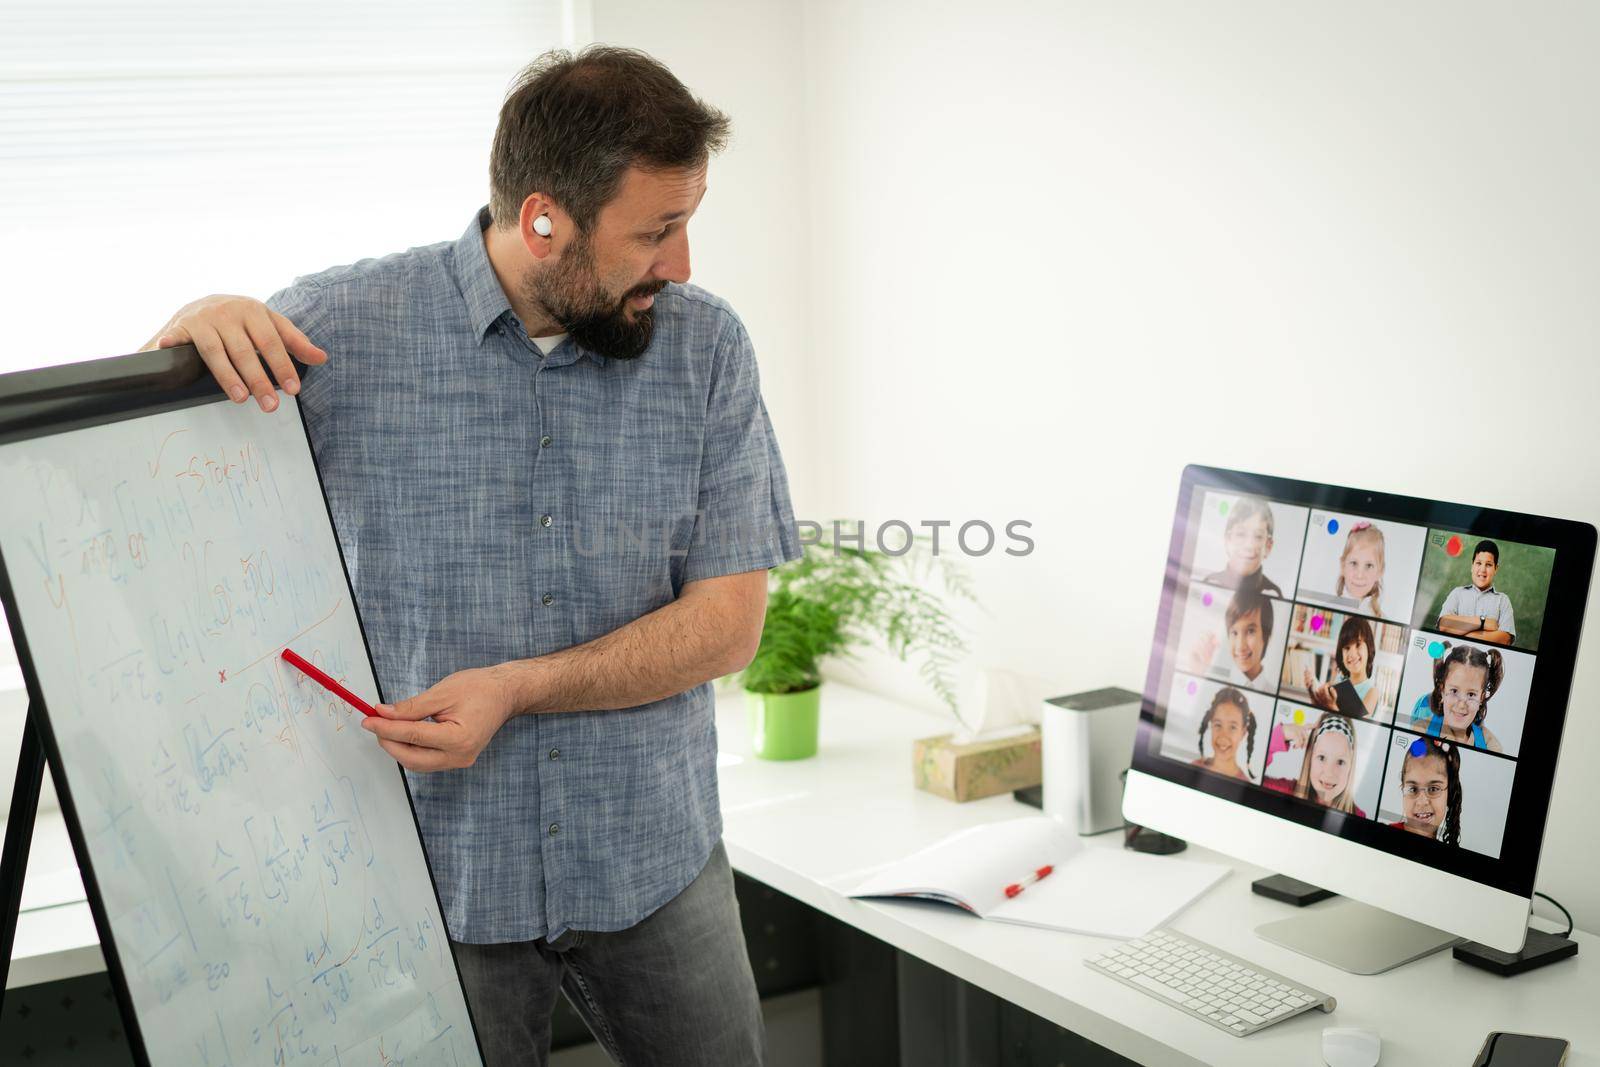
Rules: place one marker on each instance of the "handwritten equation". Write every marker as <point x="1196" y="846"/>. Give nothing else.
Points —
<point x="256" y="854"/>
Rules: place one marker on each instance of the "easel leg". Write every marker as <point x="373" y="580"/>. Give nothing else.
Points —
<point x="19" y="838"/>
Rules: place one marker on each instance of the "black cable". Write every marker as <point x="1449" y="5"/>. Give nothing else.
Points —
<point x="1564" y="911"/>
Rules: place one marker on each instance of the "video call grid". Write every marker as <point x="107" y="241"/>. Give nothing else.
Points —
<point x="1399" y="720"/>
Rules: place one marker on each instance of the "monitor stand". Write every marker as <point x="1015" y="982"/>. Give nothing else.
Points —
<point x="1357" y="937"/>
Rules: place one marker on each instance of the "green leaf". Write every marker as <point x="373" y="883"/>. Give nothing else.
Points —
<point x="836" y="599"/>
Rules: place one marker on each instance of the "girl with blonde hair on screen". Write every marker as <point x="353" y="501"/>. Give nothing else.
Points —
<point x="1361" y="568"/>
<point x="1328" y="768"/>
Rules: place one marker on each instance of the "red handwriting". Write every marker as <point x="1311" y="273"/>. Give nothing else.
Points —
<point x="156" y="466"/>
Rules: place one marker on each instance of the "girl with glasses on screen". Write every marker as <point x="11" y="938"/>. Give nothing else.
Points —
<point x="1464" y="679"/>
<point x="1430" y="791"/>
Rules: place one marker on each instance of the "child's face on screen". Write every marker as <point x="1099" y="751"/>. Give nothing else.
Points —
<point x="1227" y="730"/>
<point x="1330" y="766"/>
<point x="1483" y="568"/>
<point x="1246" y="643"/>
<point x="1361" y="570"/>
<point x="1355" y="656"/>
<point x="1462" y="694"/>
<point x="1248" y="544"/>
<point x="1425" y="794"/>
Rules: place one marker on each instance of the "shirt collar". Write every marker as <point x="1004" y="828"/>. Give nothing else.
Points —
<point x="486" y="301"/>
<point x="480" y="288"/>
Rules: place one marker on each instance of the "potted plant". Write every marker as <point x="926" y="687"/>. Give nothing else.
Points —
<point x="830" y="602"/>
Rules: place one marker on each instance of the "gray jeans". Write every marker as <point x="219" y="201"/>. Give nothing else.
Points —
<point x="676" y="988"/>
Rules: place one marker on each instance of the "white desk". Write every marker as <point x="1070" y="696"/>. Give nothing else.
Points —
<point x="55" y="942"/>
<point x="813" y="828"/>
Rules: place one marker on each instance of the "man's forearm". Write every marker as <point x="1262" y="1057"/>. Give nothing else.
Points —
<point x="672" y="649"/>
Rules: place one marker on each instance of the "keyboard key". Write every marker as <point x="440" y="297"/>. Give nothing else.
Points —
<point x="1144" y="982"/>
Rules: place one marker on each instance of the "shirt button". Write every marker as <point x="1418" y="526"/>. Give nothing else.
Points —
<point x="547" y="599"/>
<point x="544" y="442"/>
<point x="555" y="828"/>
<point x="545" y="520"/>
<point x="555" y="753"/>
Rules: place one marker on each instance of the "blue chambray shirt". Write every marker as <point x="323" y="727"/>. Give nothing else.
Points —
<point x="444" y="440"/>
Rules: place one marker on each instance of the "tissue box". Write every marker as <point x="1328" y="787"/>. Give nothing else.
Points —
<point x="972" y="770"/>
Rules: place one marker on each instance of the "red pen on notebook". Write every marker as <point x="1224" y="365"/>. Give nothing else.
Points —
<point x="1016" y="887"/>
<point x="323" y="679"/>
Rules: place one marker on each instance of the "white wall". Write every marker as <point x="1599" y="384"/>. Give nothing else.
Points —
<point x="748" y="240"/>
<point x="1058" y="250"/>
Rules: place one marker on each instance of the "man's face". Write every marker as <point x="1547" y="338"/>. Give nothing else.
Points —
<point x="602" y="287"/>
<point x="1483" y="568"/>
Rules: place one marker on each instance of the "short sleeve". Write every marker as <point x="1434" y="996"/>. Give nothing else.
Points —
<point x="1450" y="606"/>
<point x="306" y="303"/>
<point x="744" y="519"/>
<point x="1507" y="621"/>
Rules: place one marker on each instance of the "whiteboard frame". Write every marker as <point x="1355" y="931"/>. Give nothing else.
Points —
<point x="55" y="400"/>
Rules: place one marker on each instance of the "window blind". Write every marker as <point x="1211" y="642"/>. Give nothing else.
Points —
<point x="152" y="153"/>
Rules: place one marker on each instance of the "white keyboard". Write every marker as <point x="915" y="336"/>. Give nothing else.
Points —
<point x="1229" y="993"/>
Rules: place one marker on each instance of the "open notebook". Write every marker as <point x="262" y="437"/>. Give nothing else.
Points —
<point x="1108" y="892"/>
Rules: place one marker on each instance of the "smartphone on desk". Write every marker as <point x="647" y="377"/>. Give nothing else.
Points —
<point x="1521" y="1050"/>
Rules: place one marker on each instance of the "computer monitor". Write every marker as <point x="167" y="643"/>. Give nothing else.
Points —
<point x="1365" y="692"/>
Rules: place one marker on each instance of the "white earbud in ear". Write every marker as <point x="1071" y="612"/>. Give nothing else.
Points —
<point x="541" y="225"/>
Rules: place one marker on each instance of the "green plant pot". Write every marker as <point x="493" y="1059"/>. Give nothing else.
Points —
<point x="783" y="725"/>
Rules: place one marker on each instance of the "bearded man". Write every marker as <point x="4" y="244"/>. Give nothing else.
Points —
<point x="558" y="493"/>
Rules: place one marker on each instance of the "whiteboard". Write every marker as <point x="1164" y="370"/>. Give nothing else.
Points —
<point x="254" y="850"/>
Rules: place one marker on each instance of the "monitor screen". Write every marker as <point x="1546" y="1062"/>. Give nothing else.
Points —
<point x="1387" y="669"/>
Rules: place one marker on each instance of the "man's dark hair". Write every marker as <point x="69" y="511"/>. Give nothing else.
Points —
<point x="572" y="125"/>
<point x="1489" y="547"/>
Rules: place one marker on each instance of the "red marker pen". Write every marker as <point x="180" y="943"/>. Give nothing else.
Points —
<point x="323" y="679"/>
<point x="1016" y="887"/>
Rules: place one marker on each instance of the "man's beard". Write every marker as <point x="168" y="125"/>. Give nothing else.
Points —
<point x="571" y="294"/>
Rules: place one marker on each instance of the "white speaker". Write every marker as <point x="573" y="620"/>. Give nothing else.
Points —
<point x="1087" y="744"/>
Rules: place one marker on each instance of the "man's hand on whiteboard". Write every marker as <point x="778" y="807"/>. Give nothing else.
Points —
<point x="239" y="338"/>
<point x="467" y="709"/>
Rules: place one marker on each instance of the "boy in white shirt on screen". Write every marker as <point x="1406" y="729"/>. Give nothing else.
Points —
<point x="1247" y="539"/>
<point x="1480" y="611"/>
<point x="1247" y="625"/>
<point x="1249" y="620"/>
